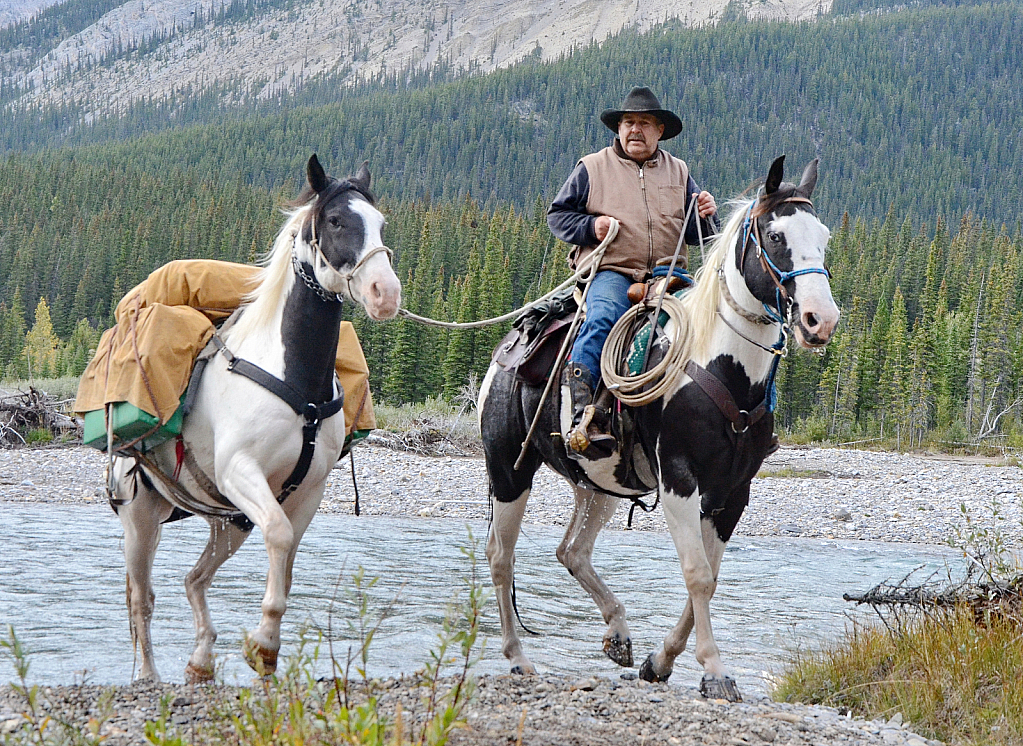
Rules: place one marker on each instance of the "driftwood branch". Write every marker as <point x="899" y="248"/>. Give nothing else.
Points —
<point x="21" y="412"/>
<point x="977" y="590"/>
<point x="988" y="426"/>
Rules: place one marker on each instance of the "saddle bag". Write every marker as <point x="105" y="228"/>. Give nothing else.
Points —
<point x="531" y="348"/>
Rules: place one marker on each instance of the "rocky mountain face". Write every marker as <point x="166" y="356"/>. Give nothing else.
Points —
<point x="19" y="10"/>
<point x="149" y="48"/>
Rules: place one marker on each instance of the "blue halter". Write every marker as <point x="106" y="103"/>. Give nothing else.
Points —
<point x="779" y="313"/>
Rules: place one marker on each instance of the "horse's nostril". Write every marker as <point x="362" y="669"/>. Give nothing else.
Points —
<point x="811" y="320"/>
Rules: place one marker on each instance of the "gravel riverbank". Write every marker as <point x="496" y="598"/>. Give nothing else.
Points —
<point x="813" y="492"/>
<point x="840" y="494"/>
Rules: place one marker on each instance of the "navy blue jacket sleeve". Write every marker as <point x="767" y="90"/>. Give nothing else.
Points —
<point x="567" y="216"/>
<point x="709" y="226"/>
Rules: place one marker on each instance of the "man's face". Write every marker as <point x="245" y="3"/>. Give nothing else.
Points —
<point x="639" y="134"/>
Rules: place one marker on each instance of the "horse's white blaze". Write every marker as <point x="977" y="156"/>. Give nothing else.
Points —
<point x="374" y="284"/>
<point x="807" y="239"/>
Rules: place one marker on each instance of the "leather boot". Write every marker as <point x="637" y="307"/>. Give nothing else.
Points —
<point x="588" y="436"/>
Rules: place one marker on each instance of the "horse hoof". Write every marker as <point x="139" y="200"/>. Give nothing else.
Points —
<point x="720" y="687"/>
<point x="647" y="672"/>
<point x="197" y="674"/>
<point x="522" y="669"/>
<point x="619" y="650"/>
<point x="261" y="660"/>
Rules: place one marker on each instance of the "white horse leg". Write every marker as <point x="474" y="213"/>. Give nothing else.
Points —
<point x="688" y="532"/>
<point x="244" y="485"/>
<point x="659" y="665"/>
<point x="141" y="519"/>
<point x="592" y="512"/>
<point x="223" y="542"/>
<point x="300" y="508"/>
<point x="504" y="533"/>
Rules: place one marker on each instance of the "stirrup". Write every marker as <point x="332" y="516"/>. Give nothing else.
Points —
<point x="587" y="440"/>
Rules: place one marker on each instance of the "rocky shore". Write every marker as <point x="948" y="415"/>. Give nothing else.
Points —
<point x="529" y="710"/>
<point x="841" y="494"/>
<point x="812" y="492"/>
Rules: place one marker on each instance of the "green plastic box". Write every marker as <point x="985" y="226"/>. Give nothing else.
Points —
<point x="130" y="422"/>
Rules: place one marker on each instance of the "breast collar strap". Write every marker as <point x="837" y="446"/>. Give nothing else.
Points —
<point x="314" y="414"/>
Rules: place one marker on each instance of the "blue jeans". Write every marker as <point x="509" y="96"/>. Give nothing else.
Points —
<point x="607" y="300"/>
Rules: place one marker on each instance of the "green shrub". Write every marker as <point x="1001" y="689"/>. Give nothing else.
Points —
<point x="38" y="436"/>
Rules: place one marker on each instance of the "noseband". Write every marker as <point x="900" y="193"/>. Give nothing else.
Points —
<point x="320" y="262"/>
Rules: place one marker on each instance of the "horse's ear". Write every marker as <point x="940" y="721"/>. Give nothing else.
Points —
<point x="809" y="180"/>
<point x="774" y="175"/>
<point x="363" y="177"/>
<point x="317" y="176"/>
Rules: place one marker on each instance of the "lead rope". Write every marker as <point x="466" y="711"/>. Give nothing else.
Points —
<point x="580" y="275"/>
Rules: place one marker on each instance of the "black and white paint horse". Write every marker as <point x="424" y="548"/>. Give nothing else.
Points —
<point x="247" y="440"/>
<point x="698" y="447"/>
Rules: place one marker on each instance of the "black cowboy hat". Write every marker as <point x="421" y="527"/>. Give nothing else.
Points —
<point x="642" y="99"/>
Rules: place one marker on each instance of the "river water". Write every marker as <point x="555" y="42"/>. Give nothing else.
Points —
<point x="62" y="589"/>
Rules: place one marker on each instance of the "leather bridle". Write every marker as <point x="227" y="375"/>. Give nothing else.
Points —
<point x="320" y="261"/>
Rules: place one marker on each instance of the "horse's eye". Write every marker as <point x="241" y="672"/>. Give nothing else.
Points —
<point x="774" y="237"/>
<point x="334" y="221"/>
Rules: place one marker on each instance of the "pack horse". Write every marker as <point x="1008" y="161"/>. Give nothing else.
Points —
<point x="266" y="426"/>
<point x="698" y="446"/>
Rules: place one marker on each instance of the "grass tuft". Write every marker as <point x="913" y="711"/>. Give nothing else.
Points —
<point x="953" y="678"/>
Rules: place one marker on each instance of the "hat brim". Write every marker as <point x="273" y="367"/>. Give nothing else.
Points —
<point x="672" y="124"/>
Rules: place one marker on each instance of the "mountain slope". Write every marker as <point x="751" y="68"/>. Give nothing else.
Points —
<point x="150" y="48"/>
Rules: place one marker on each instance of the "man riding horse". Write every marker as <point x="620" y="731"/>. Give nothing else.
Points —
<point x="649" y="192"/>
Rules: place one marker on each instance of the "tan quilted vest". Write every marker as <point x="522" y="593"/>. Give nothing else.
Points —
<point x="648" y="201"/>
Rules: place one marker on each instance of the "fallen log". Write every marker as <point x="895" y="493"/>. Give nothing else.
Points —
<point x="24" y="412"/>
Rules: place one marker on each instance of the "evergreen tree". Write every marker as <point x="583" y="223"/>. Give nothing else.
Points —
<point x="41" y="345"/>
<point x="894" y="382"/>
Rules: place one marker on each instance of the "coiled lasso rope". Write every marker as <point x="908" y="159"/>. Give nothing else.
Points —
<point x="649" y="385"/>
<point x="586" y="272"/>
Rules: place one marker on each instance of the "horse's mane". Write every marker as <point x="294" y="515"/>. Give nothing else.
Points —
<point x="701" y="302"/>
<point x="273" y="279"/>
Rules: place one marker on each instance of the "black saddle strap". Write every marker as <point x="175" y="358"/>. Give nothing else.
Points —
<point x="281" y="389"/>
<point x="314" y="413"/>
<point x="718" y="393"/>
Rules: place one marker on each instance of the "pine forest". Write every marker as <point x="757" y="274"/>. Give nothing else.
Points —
<point x="915" y="112"/>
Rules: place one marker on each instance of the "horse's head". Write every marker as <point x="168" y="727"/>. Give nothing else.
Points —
<point x="781" y="256"/>
<point x="344" y="236"/>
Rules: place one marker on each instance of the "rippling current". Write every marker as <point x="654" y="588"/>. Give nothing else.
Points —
<point x="62" y="589"/>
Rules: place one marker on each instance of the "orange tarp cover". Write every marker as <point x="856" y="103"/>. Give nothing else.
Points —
<point x="166" y="321"/>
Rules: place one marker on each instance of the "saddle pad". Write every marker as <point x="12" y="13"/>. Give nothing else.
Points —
<point x="634" y="360"/>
